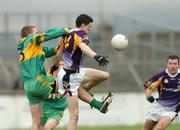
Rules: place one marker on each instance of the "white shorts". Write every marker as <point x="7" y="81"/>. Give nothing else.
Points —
<point x="69" y="83"/>
<point x="156" y="111"/>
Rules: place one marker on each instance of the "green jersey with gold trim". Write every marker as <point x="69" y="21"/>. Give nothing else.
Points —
<point x="31" y="54"/>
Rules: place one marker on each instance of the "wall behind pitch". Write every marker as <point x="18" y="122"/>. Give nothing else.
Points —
<point x="126" y="109"/>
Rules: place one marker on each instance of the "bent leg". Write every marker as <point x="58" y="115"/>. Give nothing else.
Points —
<point x="93" y="77"/>
<point x="36" y="116"/>
<point x="102" y="106"/>
<point x="163" y="123"/>
<point x="84" y="95"/>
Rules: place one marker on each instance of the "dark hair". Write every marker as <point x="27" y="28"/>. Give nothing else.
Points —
<point x="173" y="57"/>
<point x="26" y="30"/>
<point x="83" y="18"/>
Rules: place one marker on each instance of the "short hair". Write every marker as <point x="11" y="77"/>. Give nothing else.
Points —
<point x="83" y="18"/>
<point x="173" y="57"/>
<point x="26" y="30"/>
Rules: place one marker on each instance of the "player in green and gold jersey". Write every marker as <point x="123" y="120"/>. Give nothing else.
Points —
<point x="53" y="110"/>
<point x="37" y="85"/>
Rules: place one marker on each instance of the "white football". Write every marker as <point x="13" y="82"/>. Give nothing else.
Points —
<point x="119" y="42"/>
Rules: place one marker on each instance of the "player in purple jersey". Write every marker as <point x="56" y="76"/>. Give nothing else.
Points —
<point x="166" y="107"/>
<point x="74" y="80"/>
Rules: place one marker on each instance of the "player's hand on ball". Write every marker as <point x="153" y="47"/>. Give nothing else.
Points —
<point x="150" y="99"/>
<point x="102" y="60"/>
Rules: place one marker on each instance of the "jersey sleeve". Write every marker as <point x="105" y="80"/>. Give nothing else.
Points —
<point x="77" y="38"/>
<point x="153" y="83"/>
<point x="48" y="35"/>
<point x="50" y="51"/>
<point x="83" y="36"/>
<point x="74" y="38"/>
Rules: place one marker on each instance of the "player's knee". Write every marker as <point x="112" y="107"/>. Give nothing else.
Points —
<point x="75" y="117"/>
<point x="106" y="76"/>
<point x="103" y="76"/>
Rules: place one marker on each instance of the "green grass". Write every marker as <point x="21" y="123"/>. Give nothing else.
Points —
<point x="136" y="127"/>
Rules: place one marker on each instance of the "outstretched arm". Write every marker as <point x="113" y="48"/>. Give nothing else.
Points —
<point x="50" y="34"/>
<point x="102" y="60"/>
<point x="87" y="50"/>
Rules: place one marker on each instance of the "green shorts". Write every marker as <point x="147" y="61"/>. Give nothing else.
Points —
<point x="51" y="114"/>
<point x="53" y="109"/>
<point x="38" y="88"/>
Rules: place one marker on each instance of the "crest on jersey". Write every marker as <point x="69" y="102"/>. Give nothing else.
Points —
<point x="166" y="81"/>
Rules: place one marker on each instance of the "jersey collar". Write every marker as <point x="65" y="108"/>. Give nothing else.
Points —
<point x="172" y="76"/>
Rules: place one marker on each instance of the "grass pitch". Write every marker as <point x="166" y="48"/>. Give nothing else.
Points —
<point x="134" y="127"/>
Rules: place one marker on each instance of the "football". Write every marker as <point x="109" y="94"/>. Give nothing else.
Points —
<point x="119" y="42"/>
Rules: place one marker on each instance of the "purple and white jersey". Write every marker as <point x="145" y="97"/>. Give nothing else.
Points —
<point x="168" y="89"/>
<point x="72" y="54"/>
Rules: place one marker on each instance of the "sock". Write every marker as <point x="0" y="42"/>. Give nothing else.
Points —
<point x="96" y="104"/>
